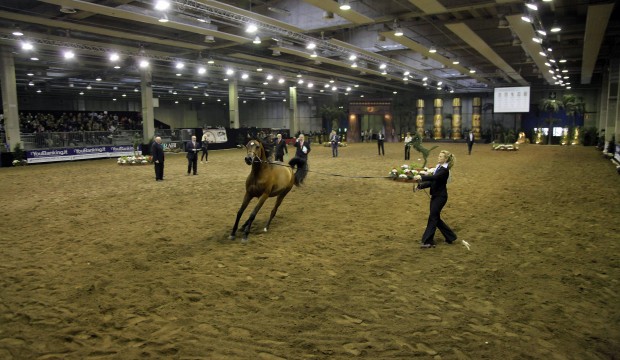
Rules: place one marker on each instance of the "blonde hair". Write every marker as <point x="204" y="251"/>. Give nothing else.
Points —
<point x="449" y="158"/>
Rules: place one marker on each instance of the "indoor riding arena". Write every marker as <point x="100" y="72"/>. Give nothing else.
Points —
<point x="99" y="261"/>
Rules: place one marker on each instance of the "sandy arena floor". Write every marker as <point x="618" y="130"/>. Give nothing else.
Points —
<point x="99" y="261"/>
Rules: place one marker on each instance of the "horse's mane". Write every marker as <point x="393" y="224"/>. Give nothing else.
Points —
<point x="268" y="146"/>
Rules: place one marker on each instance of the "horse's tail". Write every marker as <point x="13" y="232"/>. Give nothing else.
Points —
<point x="433" y="148"/>
<point x="302" y="169"/>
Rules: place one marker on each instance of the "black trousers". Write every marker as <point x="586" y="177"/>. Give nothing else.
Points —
<point x="380" y="147"/>
<point x="334" y="150"/>
<point x="435" y="222"/>
<point x="407" y="152"/>
<point x="205" y="154"/>
<point x="159" y="171"/>
<point x="469" y="146"/>
<point x="192" y="163"/>
<point x="279" y="157"/>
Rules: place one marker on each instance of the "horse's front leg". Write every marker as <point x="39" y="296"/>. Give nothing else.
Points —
<point x="244" y="204"/>
<point x="261" y="201"/>
<point x="275" y="209"/>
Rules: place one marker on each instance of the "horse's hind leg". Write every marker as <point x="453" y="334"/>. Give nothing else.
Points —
<point x="244" y="205"/>
<point x="248" y="225"/>
<point x="275" y="209"/>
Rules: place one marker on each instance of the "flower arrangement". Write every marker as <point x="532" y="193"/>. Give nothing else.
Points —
<point x="340" y="144"/>
<point x="407" y="172"/>
<point x="505" y="147"/>
<point x="135" y="160"/>
<point x="19" y="162"/>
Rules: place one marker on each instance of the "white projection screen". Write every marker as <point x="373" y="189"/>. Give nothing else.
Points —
<point x="511" y="99"/>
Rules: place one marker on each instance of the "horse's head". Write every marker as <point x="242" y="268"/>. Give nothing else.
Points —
<point x="256" y="152"/>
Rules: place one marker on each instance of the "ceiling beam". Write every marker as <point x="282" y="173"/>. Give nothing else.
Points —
<point x="417" y="47"/>
<point x="525" y="32"/>
<point x="138" y="17"/>
<point x="470" y="37"/>
<point x="98" y="30"/>
<point x="596" y="23"/>
<point x="350" y="15"/>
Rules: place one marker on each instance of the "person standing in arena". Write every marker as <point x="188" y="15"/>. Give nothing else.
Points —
<point x="334" y="139"/>
<point x="192" y="155"/>
<point x="439" y="197"/>
<point x="408" y="139"/>
<point x="302" y="147"/>
<point x="470" y="142"/>
<point x="380" y="140"/>
<point x="205" y="147"/>
<point x="280" y="148"/>
<point x="157" y="151"/>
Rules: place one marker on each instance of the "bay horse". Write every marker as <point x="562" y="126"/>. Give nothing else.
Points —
<point x="266" y="179"/>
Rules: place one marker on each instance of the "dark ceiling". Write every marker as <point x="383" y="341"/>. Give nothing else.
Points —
<point x="489" y="37"/>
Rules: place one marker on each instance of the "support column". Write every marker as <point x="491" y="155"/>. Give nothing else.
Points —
<point x="148" y="114"/>
<point x="475" y="117"/>
<point x="293" y="113"/>
<point x="353" y="129"/>
<point x="233" y="104"/>
<point x="437" y="119"/>
<point x="456" y="119"/>
<point x="614" y="91"/>
<point x="9" y="98"/>
<point x="388" y="127"/>
<point x="419" y="119"/>
<point x="602" y="109"/>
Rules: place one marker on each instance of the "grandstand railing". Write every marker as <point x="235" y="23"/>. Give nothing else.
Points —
<point x="51" y="140"/>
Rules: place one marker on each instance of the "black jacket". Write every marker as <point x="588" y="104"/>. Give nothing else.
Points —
<point x="437" y="182"/>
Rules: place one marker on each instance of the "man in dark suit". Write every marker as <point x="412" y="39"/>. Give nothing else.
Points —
<point x="157" y="151"/>
<point x="380" y="140"/>
<point x="470" y="141"/>
<point x="192" y="149"/>
<point x="439" y="197"/>
<point x="280" y="148"/>
<point x="302" y="147"/>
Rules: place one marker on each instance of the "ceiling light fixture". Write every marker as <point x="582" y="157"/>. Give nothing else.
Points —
<point x="202" y="70"/>
<point x="398" y="31"/>
<point x="526" y="19"/>
<point x="531" y="6"/>
<point x="555" y="27"/>
<point x="257" y="40"/>
<point x="344" y="5"/>
<point x="562" y="60"/>
<point x="27" y="46"/>
<point x="252" y="28"/>
<point x="311" y="46"/>
<point x="432" y="50"/>
<point x="68" y="54"/>
<point x="162" y="5"/>
<point x="163" y="18"/>
<point x="17" y="32"/>
<point x="314" y="54"/>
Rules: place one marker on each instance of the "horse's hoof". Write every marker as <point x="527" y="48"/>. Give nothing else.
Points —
<point x="244" y="240"/>
<point x="231" y="237"/>
<point x="265" y="230"/>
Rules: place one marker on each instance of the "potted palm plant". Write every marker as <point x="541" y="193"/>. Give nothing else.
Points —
<point x="551" y="106"/>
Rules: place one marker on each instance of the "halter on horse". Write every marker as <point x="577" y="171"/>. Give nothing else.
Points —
<point x="266" y="179"/>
